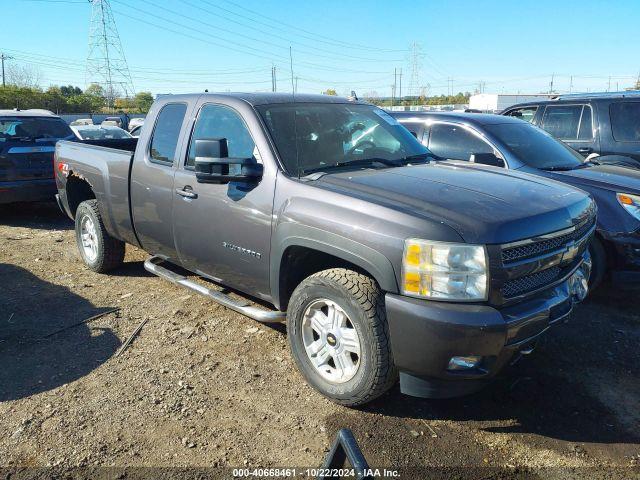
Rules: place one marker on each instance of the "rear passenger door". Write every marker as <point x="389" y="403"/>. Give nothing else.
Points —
<point x="223" y="231"/>
<point x="573" y="124"/>
<point x="152" y="180"/>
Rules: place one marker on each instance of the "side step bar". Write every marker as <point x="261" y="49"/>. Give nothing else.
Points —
<point x="266" y="316"/>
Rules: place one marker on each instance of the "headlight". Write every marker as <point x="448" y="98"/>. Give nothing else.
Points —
<point x="444" y="271"/>
<point x="631" y="203"/>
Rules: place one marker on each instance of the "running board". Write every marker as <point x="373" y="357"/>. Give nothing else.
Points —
<point x="266" y="316"/>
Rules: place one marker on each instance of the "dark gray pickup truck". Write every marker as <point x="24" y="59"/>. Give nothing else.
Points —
<point x="331" y="215"/>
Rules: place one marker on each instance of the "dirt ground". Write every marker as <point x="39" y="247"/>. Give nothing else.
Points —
<point x="202" y="386"/>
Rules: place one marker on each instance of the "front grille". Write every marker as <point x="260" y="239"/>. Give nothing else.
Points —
<point x="529" y="283"/>
<point x="521" y="252"/>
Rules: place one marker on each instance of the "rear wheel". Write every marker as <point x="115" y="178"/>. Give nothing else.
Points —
<point x="337" y="330"/>
<point x="99" y="250"/>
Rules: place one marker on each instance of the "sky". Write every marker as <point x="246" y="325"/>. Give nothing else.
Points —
<point x="177" y="46"/>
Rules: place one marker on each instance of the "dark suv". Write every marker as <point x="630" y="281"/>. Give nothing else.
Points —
<point x="606" y="124"/>
<point x="27" y="142"/>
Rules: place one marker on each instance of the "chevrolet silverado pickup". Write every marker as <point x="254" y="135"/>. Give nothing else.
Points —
<point x="327" y="214"/>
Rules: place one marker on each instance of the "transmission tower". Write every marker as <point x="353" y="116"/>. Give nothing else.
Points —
<point x="106" y="63"/>
<point x="416" y="68"/>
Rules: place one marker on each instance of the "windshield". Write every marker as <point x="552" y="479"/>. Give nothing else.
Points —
<point x="33" y="129"/>
<point x="327" y="136"/>
<point x="101" y="133"/>
<point x="535" y="147"/>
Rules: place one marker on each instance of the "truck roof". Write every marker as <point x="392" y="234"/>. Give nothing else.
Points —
<point x="470" y="118"/>
<point x="271" y="98"/>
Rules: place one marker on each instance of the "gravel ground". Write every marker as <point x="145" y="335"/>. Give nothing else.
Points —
<point x="202" y="386"/>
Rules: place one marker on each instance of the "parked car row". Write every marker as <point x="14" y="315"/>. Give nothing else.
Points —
<point x="509" y="143"/>
<point x="431" y="247"/>
<point x="606" y="125"/>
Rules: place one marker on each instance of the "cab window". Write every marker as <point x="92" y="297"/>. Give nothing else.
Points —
<point x="218" y="121"/>
<point x="167" y="130"/>
<point x="525" y="113"/>
<point x="568" y="122"/>
<point x="625" y="121"/>
<point x="456" y="142"/>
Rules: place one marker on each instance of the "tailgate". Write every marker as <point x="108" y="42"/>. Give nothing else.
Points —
<point x="24" y="161"/>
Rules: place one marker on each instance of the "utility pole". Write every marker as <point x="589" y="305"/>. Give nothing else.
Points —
<point x="400" y="94"/>
<point x="551" y="83"/>
<point x="609" y="84"/>
<point x="4" y="57"/>
<point x="571" y="84"/>
<point x="393" y="87"/>
<point x="416" y="66"/>
<point x="273" y="79"/>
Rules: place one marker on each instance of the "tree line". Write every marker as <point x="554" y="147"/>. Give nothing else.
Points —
<point x="70" y="99"/>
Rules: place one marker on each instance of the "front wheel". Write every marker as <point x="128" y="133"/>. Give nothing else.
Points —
<point x="99" y="250"/>
<point x="337" y="330"/>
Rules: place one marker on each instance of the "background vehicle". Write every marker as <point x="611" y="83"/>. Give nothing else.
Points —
<point x="27" y="143"/>
<point x="136" y="131"/>
<point x="135" y="123"/>
<point x="81" y="121"/>
<point x="99" y="132"/>
<point x="327" y="209"/>
<point x="507" y="142"/>
<point x="606" y="124"/>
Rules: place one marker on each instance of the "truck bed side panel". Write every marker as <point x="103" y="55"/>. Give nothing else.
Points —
<point x="106" y="170"/>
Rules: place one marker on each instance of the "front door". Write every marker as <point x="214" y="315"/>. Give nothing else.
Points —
<point x="223" y="231"/>
<point x="573" y="124"/>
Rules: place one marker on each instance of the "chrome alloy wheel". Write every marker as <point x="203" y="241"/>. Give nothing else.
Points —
<point x="89" y="238"/>
<point x="331" y="341"/>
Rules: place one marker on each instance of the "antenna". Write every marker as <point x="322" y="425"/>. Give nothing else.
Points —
<point x="106" y="63"/>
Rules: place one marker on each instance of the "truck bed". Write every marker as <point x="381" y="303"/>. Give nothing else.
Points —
<point x="105" y="165"/>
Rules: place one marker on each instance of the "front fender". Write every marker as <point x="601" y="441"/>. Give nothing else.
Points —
<point x="294" y="234"/>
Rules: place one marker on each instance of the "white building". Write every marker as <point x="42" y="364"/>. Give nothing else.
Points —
<point x="496" y="102"/>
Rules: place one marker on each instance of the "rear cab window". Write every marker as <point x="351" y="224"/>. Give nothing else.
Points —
<point x="166" y="133"/>
<point x="625" y="121"/>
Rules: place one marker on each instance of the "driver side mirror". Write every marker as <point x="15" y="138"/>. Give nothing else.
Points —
<point x="487" y="159"/>
<point x="213" y="163"/>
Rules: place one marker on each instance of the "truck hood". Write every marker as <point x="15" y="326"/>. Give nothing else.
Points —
<point x="608" y="177"/>
<point x="484" y="205"/>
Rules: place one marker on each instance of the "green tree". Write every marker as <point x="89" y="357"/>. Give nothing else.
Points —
<point x="142" y="101"/>
<point x="330" y="91"/>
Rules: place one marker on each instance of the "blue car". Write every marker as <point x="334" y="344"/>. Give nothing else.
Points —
<point x="27" y="143"/>
<point x="508" y="142"/>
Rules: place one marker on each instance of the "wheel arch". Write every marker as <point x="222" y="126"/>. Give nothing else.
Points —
<point x="306" y="250"/>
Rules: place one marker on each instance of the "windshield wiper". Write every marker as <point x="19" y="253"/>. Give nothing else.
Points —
<point x="558" y="168"/>
<point x="364" y="162"/>
<point x="419" y="156"/>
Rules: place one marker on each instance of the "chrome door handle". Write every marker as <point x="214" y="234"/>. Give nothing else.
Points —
<point x="186" y="193"/>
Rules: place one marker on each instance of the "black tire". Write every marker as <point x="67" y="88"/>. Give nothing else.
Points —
<point x="599" y="263"/>
<point x="361" y="299"/>
<point x="110" y="251"/>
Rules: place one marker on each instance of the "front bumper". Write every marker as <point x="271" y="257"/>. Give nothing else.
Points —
<point x="27" y="190"/>
<point x="425" y="335"/>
